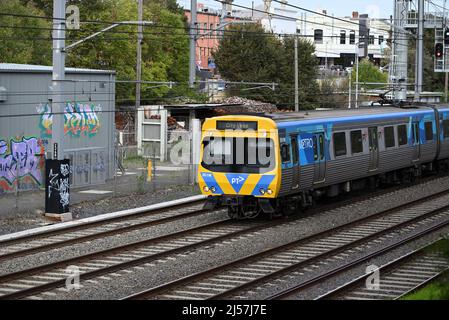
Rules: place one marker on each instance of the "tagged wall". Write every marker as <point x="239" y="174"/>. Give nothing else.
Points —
<point x="26" y="121"/>
<point x="22" y="162"/>
<point x="79" y="119"/>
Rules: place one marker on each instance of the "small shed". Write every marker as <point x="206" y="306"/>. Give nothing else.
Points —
<point x="26" y="125"/>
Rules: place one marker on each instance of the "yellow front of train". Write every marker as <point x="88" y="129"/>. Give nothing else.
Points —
<point x="240" y="166"/>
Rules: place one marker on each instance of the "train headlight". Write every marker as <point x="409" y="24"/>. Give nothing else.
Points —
<point x="262" y="191"/>
<point x="212" y="189"/>
<point x="206" y="189"/>
<point x="270" y="192"/>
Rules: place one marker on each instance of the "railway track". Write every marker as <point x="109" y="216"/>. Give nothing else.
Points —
<point x="89" y="231"/>
<point x="302" y="258"/>
<point x="98" y="229"/>
<point x="397" y="278"/>
<point x="44" y="278"/>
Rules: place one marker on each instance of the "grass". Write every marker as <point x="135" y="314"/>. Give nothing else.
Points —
<point x="438" y="289"/>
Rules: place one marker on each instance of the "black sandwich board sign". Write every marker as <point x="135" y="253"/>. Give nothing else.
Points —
<point x="57" y="186"/>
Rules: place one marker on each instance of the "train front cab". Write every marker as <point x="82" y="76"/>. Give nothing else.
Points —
<point x="239" y="165"/>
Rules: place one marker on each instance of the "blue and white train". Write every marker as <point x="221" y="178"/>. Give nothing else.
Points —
<point x="318" y="153"/>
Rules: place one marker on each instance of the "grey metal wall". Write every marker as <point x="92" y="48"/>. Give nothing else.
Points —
<point x="25" y="127"/>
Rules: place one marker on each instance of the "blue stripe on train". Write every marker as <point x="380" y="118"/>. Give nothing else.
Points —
<point x="264" y="183"/>
<point x="210" y="181"/>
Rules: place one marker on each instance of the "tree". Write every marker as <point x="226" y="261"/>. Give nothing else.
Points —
<point x="307" y="75"/>
<point x="369" y="72"/>
<point x="164" y="49"/>
<point x="248" y="53"/>
<point x="24" y="39"/>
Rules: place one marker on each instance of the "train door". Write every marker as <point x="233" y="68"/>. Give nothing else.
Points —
<point x="295" y="161"/>
<point x="319" y="157"/>
<point x="415" y="142"/>
<point x="373" y="148"/>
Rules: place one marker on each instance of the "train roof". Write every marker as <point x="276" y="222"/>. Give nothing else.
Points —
<point x="346" y="113"/>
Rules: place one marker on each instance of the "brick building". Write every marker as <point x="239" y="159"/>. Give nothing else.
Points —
<point x="207" y="19"/>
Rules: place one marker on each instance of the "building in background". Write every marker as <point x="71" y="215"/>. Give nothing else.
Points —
<point x="336" y="38"/>
<point x="26" y="125"/>
<point x="208" y="38"/>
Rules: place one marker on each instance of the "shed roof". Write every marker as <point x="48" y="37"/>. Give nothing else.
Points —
<point x="14" y="67"/>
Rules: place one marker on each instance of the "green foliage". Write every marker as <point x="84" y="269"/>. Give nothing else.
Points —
<point x="369" y="72"/>
<point x="248" y="53"/>
<point x="164" y="50"/>
<point x="23" y="45"/>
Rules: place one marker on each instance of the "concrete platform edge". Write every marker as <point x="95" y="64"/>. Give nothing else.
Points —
<point x="101" y="217"/>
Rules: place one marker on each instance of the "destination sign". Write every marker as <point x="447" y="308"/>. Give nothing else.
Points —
<point x="237" y="125"/>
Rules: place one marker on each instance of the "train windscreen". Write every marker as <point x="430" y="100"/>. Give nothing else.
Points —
<point x="238" y="155"/>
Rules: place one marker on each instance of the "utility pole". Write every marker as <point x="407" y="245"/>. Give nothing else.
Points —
<point x="357" y="75"/>
<point x="446" y="75"/>
<point x="192" y="57"/>
<point x="58" y="77"/>
<point x="419" y="52"/>
<point x="139" y="52"/>
<point x="350" y="90"/>
<point x="296" y="75"/>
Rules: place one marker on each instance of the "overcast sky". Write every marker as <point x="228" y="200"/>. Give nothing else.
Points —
<point x="376" y="9"/>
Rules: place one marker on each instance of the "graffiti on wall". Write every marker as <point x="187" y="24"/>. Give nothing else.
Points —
<point x="21" y="161"/>
<point x="78" y="119"/>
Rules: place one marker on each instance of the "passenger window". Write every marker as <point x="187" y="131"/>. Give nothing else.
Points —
<point x="315" y="149"/>
<point x="340" y="144"/>
<point x="429" y="130"/>
<point x="389" y="137"/>
<point x="285" y="153"/>
<point x="321" y="147"/>
<point x="402" y="134"/>
<point x="446" y="128"/>
<point x="295" y="150"/>
<point x="356" y="142"/>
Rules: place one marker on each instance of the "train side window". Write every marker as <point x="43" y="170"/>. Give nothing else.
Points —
<point x="402" y="135"/>
<point x="285" y="153"/>
<point x="315" y="149"/>
<point x="389" y="137"/>
<point x="429" y="130"/>
<point x="321" y="147"/>
<point x="356" y="142"/>
<point x="340" y="144"/>
<point x="445" y="128"/>
<point x="295" y="150"/>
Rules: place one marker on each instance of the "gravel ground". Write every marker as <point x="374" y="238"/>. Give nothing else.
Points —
<point x="25" y="219"/>
<point x="150" y="275"/>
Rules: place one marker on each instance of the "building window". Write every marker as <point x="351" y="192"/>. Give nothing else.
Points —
<point x="371" y="39"/>
<point x="211" y="29"/>
<point x="389" y="137"/>
<point x="381" y="39"/>
<point x="356" y="142"/>
<point x="342" y="37"/>
<point x="318" y="36"/>
<point x="402" y="135"/>
<point x="352" y="37"/>
<point x="340" y="144"/>
<point x="429" y="130"/>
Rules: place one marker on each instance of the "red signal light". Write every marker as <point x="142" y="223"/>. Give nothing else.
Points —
<point x="439" y="50"/>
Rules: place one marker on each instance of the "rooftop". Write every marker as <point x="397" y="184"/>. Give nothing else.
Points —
<point x="13" y="67"/>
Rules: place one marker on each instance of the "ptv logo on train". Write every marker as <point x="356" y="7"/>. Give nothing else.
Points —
<point x="237" y="180"/>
